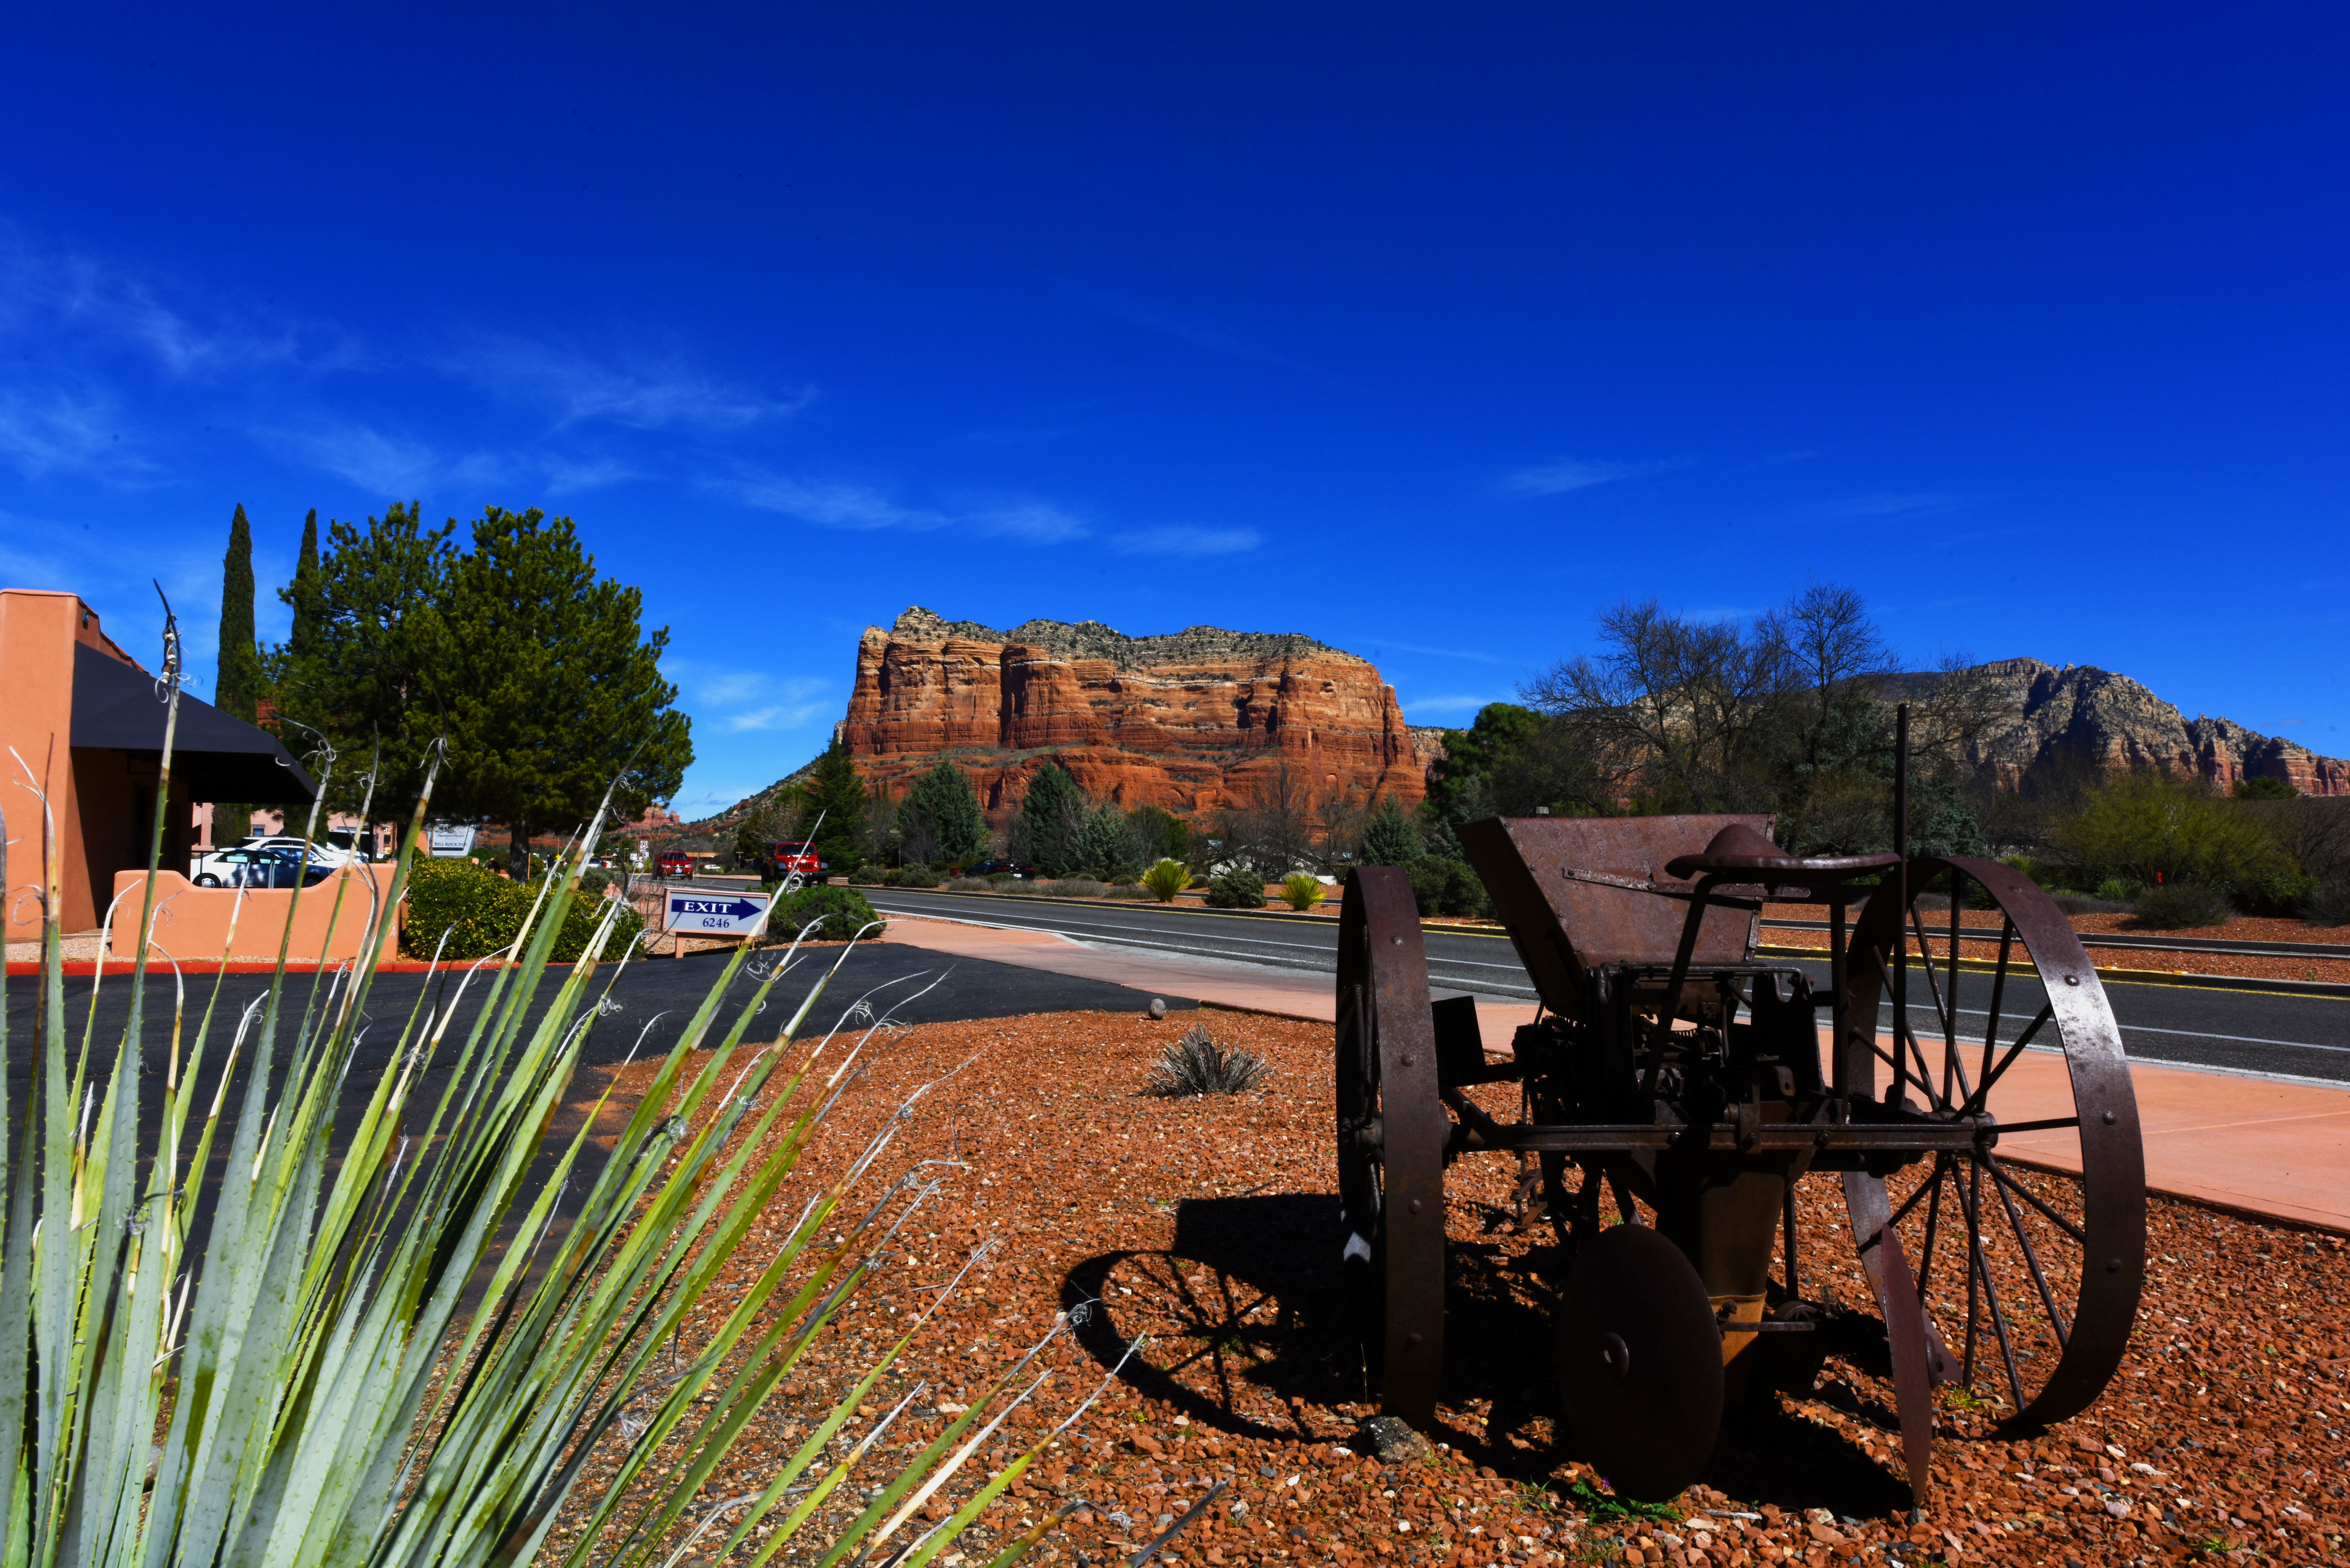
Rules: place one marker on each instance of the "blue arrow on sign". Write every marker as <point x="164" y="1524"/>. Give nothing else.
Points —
<point x="741" y="908"/>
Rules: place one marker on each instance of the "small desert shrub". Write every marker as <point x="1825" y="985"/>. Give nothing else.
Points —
<point x="837" y="914"/>
<point x="1001" y="879"/>
<point x="1166" y="879"/>
<point x="1130" y="890"/>
<point x="971" y="885"/>
<point x="1446" y="888"/>
<point x="2176" y="906"/>
<point x="1302" y="891"/>
<point x="2119" y="890"/>
<point x="1072" y="887"/>
<point x="1196" y="1064"/>
<point x="1238" y="888"/>
<point x="2328" y="905"/>
<point x="916" y="877"/>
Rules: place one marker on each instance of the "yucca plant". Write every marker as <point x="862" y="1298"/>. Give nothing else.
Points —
<point x="1197" y="1065"/>
<point x="1167" y="878"/>
<point x="313" y="1389"/>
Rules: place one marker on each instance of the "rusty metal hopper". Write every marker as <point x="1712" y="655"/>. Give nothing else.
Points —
<point x="1577" y="891"/>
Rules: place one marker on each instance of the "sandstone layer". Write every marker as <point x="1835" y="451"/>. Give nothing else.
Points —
<point x="1193" y="721"/>
<point x="2079" y="715"/>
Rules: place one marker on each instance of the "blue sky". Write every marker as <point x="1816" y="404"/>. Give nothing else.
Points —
<point x="1427" y="332"/>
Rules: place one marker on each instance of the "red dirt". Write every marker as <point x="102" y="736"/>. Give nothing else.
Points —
<point x="1207" y="1223"/>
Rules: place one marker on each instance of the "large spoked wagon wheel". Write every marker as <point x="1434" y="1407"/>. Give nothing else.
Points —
<point x="2030" y="1275"/>
<point x="1392" y="1135"/>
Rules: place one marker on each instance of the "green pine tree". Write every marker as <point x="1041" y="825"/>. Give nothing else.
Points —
<point x="945" y="808"/>
<point x="834" y="790"/>
<point x="361" y="665"/>
<point x="236" y="685"/>
<point x="1051" y="818"/>
<point x="551" y="689"/>
<point x="1390" y="837"/>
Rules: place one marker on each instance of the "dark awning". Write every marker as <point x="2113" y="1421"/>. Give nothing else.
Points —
<point x="215" y="755"/>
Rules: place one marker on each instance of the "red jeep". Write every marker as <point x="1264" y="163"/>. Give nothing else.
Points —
<point x="673" y="864"/>
<point x="780" y="860"/>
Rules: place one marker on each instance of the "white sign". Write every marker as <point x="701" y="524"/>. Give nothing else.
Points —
<point x="702" y="913"/>
<point x="444" y="843"/>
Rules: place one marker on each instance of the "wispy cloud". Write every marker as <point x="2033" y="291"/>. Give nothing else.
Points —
<point x="1384" y="643"/>
<point x="848" y="504"/>
<point x="779" y="716"/>
<point x="61" y="293"/>
<point x="396" y="466"/>
<point x="580" y="389"/>
<point x="1183" y="539"/>
<point x="1888" y="504"/>
<point x="1211" y="335"/>
<point x="1457" y="703"/>
<point x="735" y="701"/>
<point x="56" y="430"/>
<point x="1573" y="473"/>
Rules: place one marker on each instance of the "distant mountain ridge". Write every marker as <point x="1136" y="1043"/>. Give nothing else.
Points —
<point x="2077" y="715"/>
<point x="926" y="685"/>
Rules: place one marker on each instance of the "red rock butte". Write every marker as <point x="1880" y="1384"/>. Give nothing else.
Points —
<point x="1191" y="722"/>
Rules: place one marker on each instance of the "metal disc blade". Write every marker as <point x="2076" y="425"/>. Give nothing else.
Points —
<point x="1639" y="1363"/>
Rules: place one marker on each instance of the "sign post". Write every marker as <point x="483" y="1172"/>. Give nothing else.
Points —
<point x="706" y="912"/>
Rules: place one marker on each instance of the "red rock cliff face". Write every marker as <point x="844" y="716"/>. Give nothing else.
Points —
<point x="2117" y="725"/>
<point x="1191" y="723"/>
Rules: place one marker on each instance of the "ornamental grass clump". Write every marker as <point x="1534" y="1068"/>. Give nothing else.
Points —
<point x="1196" y="1064"/>
<point x="1301" y="891"/>
<point x="396" y="1346"/>
<point x="1166" y="879"/>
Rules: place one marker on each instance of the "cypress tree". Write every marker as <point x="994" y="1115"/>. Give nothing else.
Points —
<point x="303" y="640"/>
<point x="237" y="684"/>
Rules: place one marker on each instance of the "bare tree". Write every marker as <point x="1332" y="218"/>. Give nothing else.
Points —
<point x="1693" y="702"/>
<point x="1950" y="718"/>
<point x="1832" y="645"/>
<point x="1273" y="832"/>
<point x="1341" y="817"/>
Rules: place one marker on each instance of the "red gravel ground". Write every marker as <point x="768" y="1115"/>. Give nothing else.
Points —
<point x="1209" y="1225"/>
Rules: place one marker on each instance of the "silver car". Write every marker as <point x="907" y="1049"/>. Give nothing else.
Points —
<point x="272" y="866"/>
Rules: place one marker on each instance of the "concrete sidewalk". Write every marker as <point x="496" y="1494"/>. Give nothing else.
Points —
<point x="2258" y="1147"/>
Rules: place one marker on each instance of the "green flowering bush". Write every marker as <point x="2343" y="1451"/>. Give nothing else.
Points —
<point x="482" y="912"/>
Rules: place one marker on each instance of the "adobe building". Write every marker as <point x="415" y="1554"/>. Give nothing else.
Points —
<point x="84" y="720"/>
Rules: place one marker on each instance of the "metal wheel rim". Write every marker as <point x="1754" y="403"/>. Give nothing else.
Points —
<point x="1964" y="1197"/>
<point x="1391" y="1191"/>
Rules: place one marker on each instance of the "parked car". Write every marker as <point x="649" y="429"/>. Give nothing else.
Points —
<point x="323" y="853"/>
<point x="264" y="868"/>
<point x="1003" y="868"/>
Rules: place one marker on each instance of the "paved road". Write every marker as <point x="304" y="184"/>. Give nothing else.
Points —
<point x="2247" y="1031"/>
<point x="653" y="1003"/>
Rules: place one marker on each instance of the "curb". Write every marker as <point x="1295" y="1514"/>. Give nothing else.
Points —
<point x="1434" y="923"/>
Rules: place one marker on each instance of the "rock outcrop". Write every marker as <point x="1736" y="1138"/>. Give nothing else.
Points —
<point x="1191" y="722"/>
<point x="2079" y="715"/>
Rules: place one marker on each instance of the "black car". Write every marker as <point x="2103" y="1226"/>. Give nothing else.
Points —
<point x="1003" y="868"/>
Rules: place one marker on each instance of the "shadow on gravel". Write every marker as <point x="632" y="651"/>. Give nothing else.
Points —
<point x="1253" y="1331"/>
